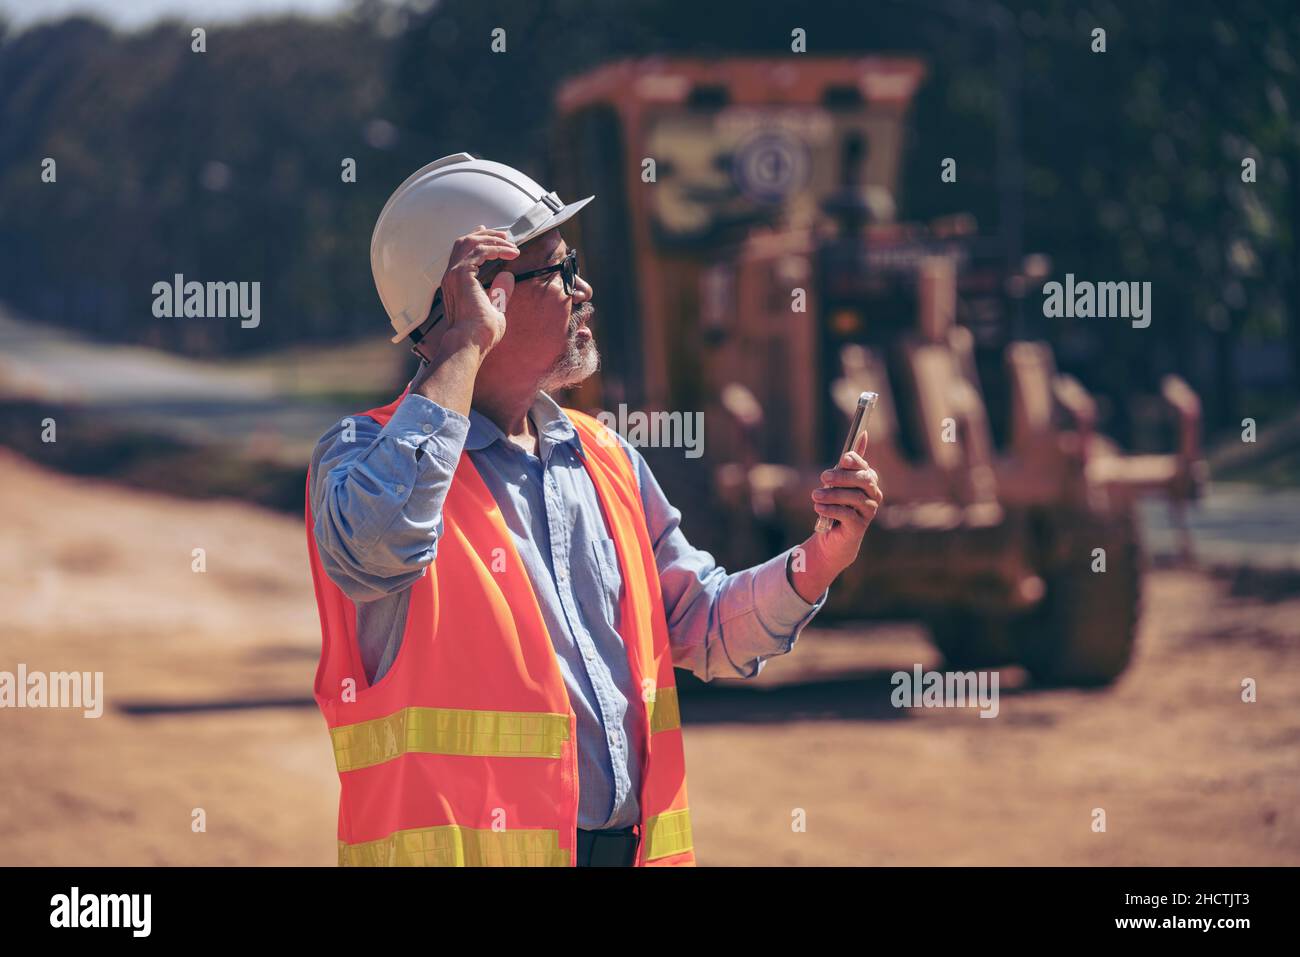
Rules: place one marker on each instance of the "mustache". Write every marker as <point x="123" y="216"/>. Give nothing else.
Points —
<point x="580" y="315"/>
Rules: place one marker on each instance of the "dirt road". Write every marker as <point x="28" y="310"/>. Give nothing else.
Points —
<point x="207" y="677"/>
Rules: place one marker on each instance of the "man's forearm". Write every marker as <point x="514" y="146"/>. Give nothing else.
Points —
<point x="449" y="377"/>
<point x="719" y="624"/>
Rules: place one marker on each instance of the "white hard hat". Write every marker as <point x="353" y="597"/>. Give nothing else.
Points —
<point x="437" y="205"/>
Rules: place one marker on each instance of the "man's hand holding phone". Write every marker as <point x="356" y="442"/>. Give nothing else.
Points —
<point x="846" y="502"/>
<point x="849" y="495"/>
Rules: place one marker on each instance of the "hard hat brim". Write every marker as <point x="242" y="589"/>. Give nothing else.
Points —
<point x="563" y="215"/>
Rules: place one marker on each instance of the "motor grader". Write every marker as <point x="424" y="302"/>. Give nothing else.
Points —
<point x="749" y="262"/>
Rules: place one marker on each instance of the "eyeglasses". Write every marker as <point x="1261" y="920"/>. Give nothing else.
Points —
<point x="566" y="267"/>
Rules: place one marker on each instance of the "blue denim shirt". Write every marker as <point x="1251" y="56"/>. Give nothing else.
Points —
<point x="377" y="499"/>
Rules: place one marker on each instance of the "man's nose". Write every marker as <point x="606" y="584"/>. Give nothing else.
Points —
<point x="582" y="290"/>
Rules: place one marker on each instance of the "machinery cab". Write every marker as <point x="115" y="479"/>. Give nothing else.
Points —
<point x="693" y="160"/>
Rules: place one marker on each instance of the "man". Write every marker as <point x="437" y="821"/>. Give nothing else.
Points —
<point x="503" y="588"/>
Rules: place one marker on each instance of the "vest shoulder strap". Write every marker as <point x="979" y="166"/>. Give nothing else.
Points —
<point x="600" y="439"/>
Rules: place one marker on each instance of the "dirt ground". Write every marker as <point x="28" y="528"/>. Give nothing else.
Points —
<point x="208" y="685"/>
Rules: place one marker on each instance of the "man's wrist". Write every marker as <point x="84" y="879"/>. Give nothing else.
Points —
<point x="810" y="571"/>
<point x="459" y="341"/>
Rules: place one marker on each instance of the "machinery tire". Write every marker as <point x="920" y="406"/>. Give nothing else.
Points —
<point x="968" y="640"/>
<point x="1083" y="632"/>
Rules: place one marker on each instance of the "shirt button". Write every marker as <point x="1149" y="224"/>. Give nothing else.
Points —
<point x="401" y="490"/>
<point x="427" y="427"/>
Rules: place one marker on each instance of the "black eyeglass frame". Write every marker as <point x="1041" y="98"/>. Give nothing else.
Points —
<point x="567" y="267"/>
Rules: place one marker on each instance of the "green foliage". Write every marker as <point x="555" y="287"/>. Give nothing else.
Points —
<point x="217" y="165"/>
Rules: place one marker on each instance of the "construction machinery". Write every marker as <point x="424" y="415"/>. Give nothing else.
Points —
<point x="749" y="261"/>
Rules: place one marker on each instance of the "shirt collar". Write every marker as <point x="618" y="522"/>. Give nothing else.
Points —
<point x="554" y="428"/>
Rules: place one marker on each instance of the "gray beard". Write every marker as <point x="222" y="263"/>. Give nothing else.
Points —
<point x="578" y="363"/>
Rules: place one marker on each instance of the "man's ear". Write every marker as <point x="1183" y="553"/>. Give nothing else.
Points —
<point x="502" y="288"/>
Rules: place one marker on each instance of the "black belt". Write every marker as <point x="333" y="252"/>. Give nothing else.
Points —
<point x="614" y="847"/>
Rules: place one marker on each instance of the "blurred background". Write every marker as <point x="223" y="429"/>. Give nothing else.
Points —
<point x="799" y="236"/>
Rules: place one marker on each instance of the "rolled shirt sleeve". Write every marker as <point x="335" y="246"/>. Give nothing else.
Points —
<point x="377" y="495"/>
<point x="778" y="606"/>
<point x="719" y="624"/>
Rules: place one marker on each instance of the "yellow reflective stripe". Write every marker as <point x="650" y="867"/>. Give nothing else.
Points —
<point x="668" y="833"/>
<point x="664" y="713"/>
<point x="501" y="734"/>
<point x="450" y="845"/>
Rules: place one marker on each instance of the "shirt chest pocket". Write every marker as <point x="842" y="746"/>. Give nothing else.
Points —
<point x="609" y="581"/>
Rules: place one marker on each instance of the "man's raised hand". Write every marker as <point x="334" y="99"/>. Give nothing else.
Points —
<point x="472" y="311"/>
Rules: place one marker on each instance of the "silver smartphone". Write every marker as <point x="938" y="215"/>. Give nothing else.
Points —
<point x="861" y="416"/>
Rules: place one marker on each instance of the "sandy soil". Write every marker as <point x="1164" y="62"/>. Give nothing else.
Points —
<point x="98" y="578"/>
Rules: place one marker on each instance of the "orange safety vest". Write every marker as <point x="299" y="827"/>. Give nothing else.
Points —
<point x="465" y="752"/>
